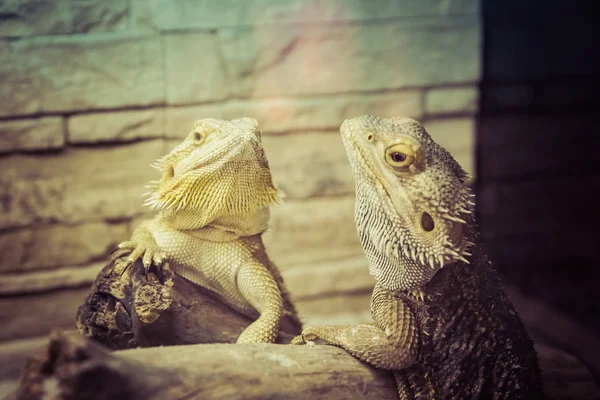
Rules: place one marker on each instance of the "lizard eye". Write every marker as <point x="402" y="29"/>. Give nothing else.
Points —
<point x="198" y="136"/>
<point x="397" y="157"/>
<point x="400" y="156"/>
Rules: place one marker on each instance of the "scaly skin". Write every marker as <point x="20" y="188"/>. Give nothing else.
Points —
<point x="442" y="323"/>
<point x="213" y="200"/>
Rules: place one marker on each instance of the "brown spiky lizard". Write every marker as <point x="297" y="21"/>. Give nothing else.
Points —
<point x="213" y="206"/>
<point x="442" y="322"/>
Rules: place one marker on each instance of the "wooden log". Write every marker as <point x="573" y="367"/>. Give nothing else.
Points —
<point x="74" y="367"/>
<point x="128" y="308"/>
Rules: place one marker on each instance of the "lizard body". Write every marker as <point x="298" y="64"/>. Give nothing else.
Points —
<point x="442" y="322"/>
<point x="213" y="206"/>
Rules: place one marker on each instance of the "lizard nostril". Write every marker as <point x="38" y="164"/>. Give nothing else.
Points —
<point x="427" y="222"/>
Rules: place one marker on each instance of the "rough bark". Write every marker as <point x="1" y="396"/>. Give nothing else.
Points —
<point x="128" y="308"/>
<point x="74" y="367"/>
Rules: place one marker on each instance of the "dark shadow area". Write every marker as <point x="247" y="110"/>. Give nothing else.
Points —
<point x="538" y="150"/>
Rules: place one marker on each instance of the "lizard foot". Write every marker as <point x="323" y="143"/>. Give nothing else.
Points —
<point x="308" y="336"/>
<point x="148" y="252"/>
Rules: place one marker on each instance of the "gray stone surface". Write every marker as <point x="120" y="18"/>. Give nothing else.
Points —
<point x="76" y="185"/>
<point x="57" y="246"/>
<point x="32" y="134"/>
<point x="34" y="17"/>
<point x="272" y="61"/>
<point x="82" y="73"/>
<point x="340" y="309"/>
<point x="41" y="281"/>
<point x="35" y="315"/>
<point x="309" y="164"/>
<point x="21" y="18"/>
<point x="327" y="278"/>
<point x="452" y="100"/>
<point x="163" y="15"/>
<point x="457" y="135"/>
<point x="312" y="230"/>
<point x="195" y="70"/>
<point x="300" y="113"/>
<point x="116" y="126"/>
<point x="99" y="16"/>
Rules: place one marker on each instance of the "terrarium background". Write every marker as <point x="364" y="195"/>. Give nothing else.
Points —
<point x="92" y="92"/>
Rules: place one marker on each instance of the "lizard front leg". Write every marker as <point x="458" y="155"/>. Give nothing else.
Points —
<point x="259" y="288"/>
<point x="392" y="343"/>
<point x="143" y="245"/>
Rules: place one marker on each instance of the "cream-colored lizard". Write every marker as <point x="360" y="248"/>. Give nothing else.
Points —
<point x="213" y="206"/>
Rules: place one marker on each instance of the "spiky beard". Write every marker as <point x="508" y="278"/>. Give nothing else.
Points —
<point x="398" y="258"/>
<point x="235" y="181"/>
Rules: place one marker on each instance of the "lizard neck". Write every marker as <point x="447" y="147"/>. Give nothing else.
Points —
<point x="221" y="228"/>
<point x="394" y="258"/>
<point x="392" y="268"/>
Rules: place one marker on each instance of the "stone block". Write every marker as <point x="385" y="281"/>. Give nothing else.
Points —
<point x="341" y="309"/>
<point x="116" y="126"/>
<point x="42" y="281"/>
<point x="32" y="134"/>
<point x="273" y="61"/>
<point x="309" y="164"/>
<point x="327" y="278"/>
<point x="451" y="100"/>
<point x="99" y="16"/>
<point x="34" y="17"/>
<point x="20" y="92"/>
<point x="300" y="113"/>
<point x="55" y="74"/>
<point x="35" y="315"/>
<point x="195" y="70"/>
<point x="57" y="246"/>
<point x="77" y="184"/>
<point x="312" y="230"/>
<point x="165" y="15"/>
<point x="457" y="135"/>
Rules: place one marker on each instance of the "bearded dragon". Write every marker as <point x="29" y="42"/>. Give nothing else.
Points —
<point x="213" y="206"/>
<point x="442" y="321"/>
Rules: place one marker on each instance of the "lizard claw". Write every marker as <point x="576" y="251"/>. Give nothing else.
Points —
<point x="298" y="340"/>
<point x="306" y="337"/>
<point x="149" y="253"/>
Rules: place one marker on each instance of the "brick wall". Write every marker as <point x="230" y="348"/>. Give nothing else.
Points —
<point x="94" y="91"/>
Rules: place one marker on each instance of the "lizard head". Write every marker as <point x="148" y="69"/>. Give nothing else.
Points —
<point x="412" y="202"/>
<point x="220" y="169"/>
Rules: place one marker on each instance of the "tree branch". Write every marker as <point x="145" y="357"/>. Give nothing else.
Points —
<point x="127" y="309"/>
<point x="73" y="367"/>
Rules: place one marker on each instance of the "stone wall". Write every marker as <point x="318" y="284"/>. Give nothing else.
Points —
<point x="94" y="91"/>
